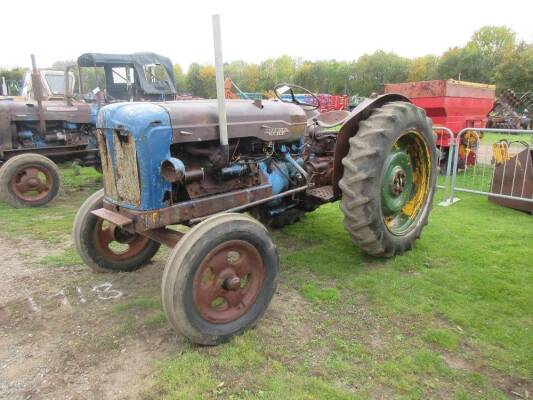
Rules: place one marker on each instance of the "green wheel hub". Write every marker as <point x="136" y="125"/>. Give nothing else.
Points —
<point x="397" y="182"/>
<point x="405" y="182"/>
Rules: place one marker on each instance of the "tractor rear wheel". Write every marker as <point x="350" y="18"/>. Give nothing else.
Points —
<point x="105" y="247"/>
<point x="220" y="278"/>
<point x="389" y="179"/>
<point x="29" y="180"/>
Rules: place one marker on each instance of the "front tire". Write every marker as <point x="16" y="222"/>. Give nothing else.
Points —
<point x="105" y="247"/>
<point x="29" y="180"/>
<point x="220" y="278"/>
<point x="389" y="179"/>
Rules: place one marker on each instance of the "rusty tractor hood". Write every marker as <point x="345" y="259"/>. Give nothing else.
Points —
<point x="270" y="120"/>
<point x="79" y="113"/>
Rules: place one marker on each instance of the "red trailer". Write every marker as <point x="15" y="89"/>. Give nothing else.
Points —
<point x="453" y="104"/>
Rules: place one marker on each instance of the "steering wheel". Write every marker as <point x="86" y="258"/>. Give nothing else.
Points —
<point x="285" y="88"/>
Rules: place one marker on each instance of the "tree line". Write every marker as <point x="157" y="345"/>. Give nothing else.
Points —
<point x="492" y="55"/>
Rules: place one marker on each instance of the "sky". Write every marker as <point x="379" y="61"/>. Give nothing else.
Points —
<point x="251" y="30"/>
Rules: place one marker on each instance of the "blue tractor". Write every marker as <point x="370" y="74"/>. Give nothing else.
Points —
<point x="168" y="164"/>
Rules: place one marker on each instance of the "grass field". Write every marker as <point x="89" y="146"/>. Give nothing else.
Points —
<point x="491" y="137"/>
<point x="450" y="319"/>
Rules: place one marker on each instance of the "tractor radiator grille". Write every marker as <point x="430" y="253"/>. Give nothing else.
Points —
<point x="119" y="167"/>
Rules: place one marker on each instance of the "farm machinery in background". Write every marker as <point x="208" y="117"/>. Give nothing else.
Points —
<point x="455" y="105"/>
<point x="56" y="118"/>
<point x="511" y="111"/>
<point x="326" y="102"/>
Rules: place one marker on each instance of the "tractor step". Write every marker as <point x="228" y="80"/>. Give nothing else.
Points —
<point x="324" y="193"/>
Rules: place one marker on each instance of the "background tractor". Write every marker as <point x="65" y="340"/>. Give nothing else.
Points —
<point x="56" y="117"/>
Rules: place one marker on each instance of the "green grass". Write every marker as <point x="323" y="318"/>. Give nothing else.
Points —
<point x="54" y="222"/>
<point x="450" y="319"/>
<point x="491" y="137"/>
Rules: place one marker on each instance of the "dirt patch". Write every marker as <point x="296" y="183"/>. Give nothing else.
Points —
<point x="68" y="333"/>
<point x="61" y="336"/>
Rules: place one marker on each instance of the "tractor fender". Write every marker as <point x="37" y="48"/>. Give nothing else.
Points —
<point x="351" y="126"/>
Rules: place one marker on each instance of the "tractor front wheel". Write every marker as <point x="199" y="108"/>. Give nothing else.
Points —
<point x="105" y="247"/>
<point x="220" y="278"/>
<point x="389" y="179"/>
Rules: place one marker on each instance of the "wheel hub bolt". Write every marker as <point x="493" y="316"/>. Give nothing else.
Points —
<point x="33" y="182"/>
<point x="398" y="182"/>
<point x="232" y="283"/>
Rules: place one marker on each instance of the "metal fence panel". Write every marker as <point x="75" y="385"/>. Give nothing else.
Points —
<point x="494" y="162"/>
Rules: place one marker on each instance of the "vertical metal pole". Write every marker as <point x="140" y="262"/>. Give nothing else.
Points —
<point x="38" y="93"/>
<point x="219" y="68"/>
<point x="4" y="86"/>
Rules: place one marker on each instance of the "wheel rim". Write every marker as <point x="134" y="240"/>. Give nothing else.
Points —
<point x="405" y="183"/>
<point x="31" y="183"/>
<point x="115" y="243"/>
<point x="228" y="281"/>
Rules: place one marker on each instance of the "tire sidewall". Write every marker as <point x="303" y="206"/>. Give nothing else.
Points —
<point x="426" y="132"/>
<point x="189" y="321"/>
<point x="85" y="223"/>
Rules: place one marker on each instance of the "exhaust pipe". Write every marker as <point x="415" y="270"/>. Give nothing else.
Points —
<point x="219" y="69"/>
<point x="38" y="93"/>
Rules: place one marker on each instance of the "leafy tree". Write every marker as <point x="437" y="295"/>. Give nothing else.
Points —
<point x="180" y="78"/>
<point x="494" y="42"/>
<point x="193" y="81"/>
<point x="372" y="71"/>
<point x="14" y="80"/>
<point x="424" y="68"/>
<point x="207" y="82"/>
<point x="516" y="69"/>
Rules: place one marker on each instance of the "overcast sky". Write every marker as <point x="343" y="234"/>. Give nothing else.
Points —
<point x="251" y="30"/>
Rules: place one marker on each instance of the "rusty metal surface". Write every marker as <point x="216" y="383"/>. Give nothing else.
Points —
<point x="185" y="211"/>
<point x="228" y="281"/>
<point x="511" y="112"/>
<point x="5" y="126"/>
<point x="107" y="170"/>
<point x="38" y="93"/>
<point x="514" y="178"/>
<point x="349" y="129"/>
<point x="197" y="120"/>
<point x="165" y="236"/>
<point x="442" y="88"/>
<point x="31" y="182"/>
<point x="126" y="171"/>
<point x="323" y="194"/>
<point x="113" y="217"/>
<point x="53" y="111"/>
<point x="56" y="152"/>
